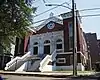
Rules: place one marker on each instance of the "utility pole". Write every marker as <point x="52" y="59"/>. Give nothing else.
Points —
<point x="74" y="39"/>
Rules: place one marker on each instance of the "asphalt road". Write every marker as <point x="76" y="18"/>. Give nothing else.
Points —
<point x="15" y="77"/>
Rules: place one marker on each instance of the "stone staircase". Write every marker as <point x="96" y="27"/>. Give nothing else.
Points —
<point x="34" y="66"/>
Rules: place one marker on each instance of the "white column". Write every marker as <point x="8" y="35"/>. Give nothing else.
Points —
<point x="41" y="47"/>
<point x="53" y="44"/>
<point x="30" y="48"/>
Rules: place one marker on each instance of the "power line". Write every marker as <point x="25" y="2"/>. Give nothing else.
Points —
<point x="45" y="11"/>
<point x="69" y="2"/>
<point x="94" y="15"/>
<point x="62" y="4"/>
<point x="65" y="7"/>
<point x="89" y="9"/>
<point x="49" y="10"/>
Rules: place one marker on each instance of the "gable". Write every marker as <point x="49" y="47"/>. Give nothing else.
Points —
<point x="50" y="27"/>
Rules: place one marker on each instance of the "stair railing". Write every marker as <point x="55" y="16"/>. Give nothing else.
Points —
<point x="48" y="58"/>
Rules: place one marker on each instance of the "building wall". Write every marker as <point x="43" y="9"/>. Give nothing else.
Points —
<point x="66" y="34"/>
<point x="82" y="55"/>
<point x="51" y="34"/>
<point x="98" y="42"/>
<point x="91" y="39"/>
<point x="41" y="38"/>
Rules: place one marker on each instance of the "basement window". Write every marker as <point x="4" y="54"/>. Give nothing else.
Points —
<point x="61" y="60"/>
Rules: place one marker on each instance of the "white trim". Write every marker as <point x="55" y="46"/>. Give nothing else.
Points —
<point x="46" y="44"/>
<point x="72" y="53"/>
<point x="59" y="50"/>
<point x="54" y="19"/>
<point x="31" y="29"/>
<point x="58" y="60"/>
<point x="65" y="53"/>
<point x="66" y="15"/>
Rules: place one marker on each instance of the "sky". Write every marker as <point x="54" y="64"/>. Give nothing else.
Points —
<point x="90" y="24"/>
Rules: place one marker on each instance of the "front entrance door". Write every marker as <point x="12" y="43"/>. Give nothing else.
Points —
<point x="47" y="49"/>
<point x="35" y="50"/>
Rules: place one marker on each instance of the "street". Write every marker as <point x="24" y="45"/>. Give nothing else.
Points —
<point x="15" y="77"/>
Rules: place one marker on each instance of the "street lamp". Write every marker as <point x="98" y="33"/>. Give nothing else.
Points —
<point x="74" y="34"/>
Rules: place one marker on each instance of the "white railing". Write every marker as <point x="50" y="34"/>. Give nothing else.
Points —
<point x="46" y="60"/>
<point x="53" y="55"/>
<point x="12" y="61"/>
<point x="18" y="59"/>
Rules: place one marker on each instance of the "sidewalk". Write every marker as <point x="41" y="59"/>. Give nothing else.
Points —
<point x="56" y="74"/>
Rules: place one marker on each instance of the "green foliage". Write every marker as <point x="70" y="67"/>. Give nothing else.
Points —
<point x="14" y="19"/>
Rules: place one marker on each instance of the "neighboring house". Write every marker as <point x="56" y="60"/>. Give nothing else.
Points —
<point x="93" y="47"/>
<point x="21" y="46"/>
<point x="5" y="56"/>
<point x="98" y="42"/>
<point x="52" y="45"/>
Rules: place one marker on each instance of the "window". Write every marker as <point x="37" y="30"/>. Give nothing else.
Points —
<point x="59" y="40"/>
<point x="70" y="35"/>
<point x="35" y="48"/>
<point x="59" y="44"/>
<point x="36" y="43"/>
<point x="46" y="47"/>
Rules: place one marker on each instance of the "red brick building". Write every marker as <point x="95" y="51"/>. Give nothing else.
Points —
<point x="93" y="48"/>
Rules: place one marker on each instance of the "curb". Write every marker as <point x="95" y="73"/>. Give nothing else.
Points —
<point x="36" y="74"/>
<point x="54" y="75"/>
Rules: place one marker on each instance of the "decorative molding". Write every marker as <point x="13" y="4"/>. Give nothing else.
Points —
<point x="66" y="15"/>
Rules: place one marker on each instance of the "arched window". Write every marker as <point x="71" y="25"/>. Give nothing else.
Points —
<point x="36" y="43"/>
<point x="59" y="40"/>
<point x="46" y="41"/>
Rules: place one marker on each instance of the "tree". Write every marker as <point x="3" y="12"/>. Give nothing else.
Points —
<point x="14" y="19"/>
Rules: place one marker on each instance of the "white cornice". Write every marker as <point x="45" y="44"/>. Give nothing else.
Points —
<point x="54" y="19"/>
